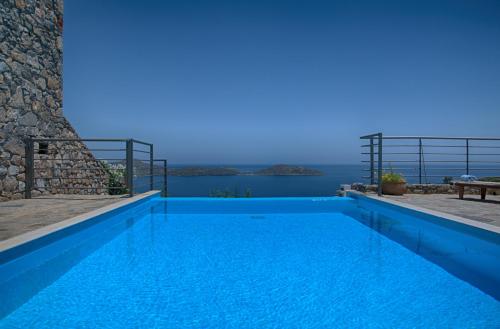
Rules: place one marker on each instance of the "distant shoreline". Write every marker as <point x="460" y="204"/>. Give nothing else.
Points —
<point x="276" y="170"/>
<point x="142" y="168"/>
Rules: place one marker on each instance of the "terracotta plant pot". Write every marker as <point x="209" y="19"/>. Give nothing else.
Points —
<point x="394" y="188"/>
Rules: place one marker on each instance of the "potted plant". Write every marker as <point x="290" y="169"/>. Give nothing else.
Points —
<point x="393" y="184"/>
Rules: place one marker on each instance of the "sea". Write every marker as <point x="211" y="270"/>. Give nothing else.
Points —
<point x="289" y="186"/>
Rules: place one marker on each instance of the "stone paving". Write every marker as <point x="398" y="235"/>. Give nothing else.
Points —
<point x="471" y="207"/>
<point x="21" y="216"/>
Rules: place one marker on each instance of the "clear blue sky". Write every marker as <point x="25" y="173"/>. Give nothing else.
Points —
<point x="280" y="81"/>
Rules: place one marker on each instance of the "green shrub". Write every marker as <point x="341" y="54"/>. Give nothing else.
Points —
<point x="447" y="179"/>
<point x="116" y="178"/>
<point x="393" y="178"/>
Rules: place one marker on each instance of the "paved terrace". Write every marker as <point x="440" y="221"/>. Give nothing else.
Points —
<point x="21" y="216"/>
<point x="471" y="207"/>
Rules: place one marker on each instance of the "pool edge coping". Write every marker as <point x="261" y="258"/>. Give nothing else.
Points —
<point x="27" y="237"/>
<point x="426" y="211"/>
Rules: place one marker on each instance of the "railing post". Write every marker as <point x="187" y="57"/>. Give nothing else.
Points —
<point x="420" y="150"/>
<point x="151" y="177"/>
<point x="164" y="178"/>
<point x="372" y="163"/>
<point x="467" y="156"/>
<point x="380" y="165"/>
<point x="29" y="162"/>
<point x="130" y="166"/>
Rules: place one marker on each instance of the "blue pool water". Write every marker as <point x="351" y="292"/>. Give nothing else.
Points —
<point x="267" y="263"/>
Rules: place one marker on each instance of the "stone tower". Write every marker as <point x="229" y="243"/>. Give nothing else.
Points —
<point x="31" y="48"/>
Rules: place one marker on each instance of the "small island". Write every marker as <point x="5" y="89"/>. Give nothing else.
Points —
<point x="285" y="170"/>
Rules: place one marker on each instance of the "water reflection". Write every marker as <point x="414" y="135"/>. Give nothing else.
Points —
<point x="468" y="254"/>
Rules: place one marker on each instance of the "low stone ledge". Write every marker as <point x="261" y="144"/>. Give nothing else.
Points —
<point x="425" y="189"/>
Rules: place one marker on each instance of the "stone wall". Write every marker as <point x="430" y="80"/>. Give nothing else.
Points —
<point x="31" y="47"/>
<point x="424" y="189"/>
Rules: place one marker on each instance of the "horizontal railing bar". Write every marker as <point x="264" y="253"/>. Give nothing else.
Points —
<point x="431" y="153"/>
<point x="424" y="176"/>
<point x="141" y="142"/>
<point x="451" y="146"/>
<point x="370" y="136"/>
<point x="441" y="153"/>
<point x="439" y="146"/>
<point x="390" y="169"/>
<point x="109" y="159"/>
<point x="428" y="176"/>
<point x="483" y="147"/>
<point x="433" y="137"/>
<point x="68" y="188"/>
<point x="482" y="161"/>
<point x="141" y="184"/>
<point x="79" y="169"/>
<point x="432" y="169"/>
<point x="462" y="146"/>
<point x="472" y="154"/>
<point x="432" y="161"/>
<point x="460" y="161"/>
<point x="69" y="178"/>
<point x="397" y="153"/>
<point x="444" y="146"/>
<point x="141" y="151"/>
<point x="462" y="154"/>
<point x="106" y="150"/>
<point x="376" y="161"/>
<point x="79" y="140"/>
<point x="471" y="146"/>
<point x="414" y="176"/>
<point x="79" y="188"/>
<point x="75" y="159"/>
<point x="89" y="140"/>
<point x="424" y="146"/>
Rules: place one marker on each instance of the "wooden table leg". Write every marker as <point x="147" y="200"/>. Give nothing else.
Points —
<point x="483" y="193"/>
<point x="461" y="192"/>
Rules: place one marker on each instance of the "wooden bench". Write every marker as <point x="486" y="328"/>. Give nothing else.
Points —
<point x="483" y="186"/>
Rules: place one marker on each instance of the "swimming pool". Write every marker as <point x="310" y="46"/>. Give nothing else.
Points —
<point x="255" y="263"/>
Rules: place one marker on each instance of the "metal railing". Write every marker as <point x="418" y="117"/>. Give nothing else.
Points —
<point x="424" y="159"/>
<point x="67" y="165"/>
<point x="163" y="174"/>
